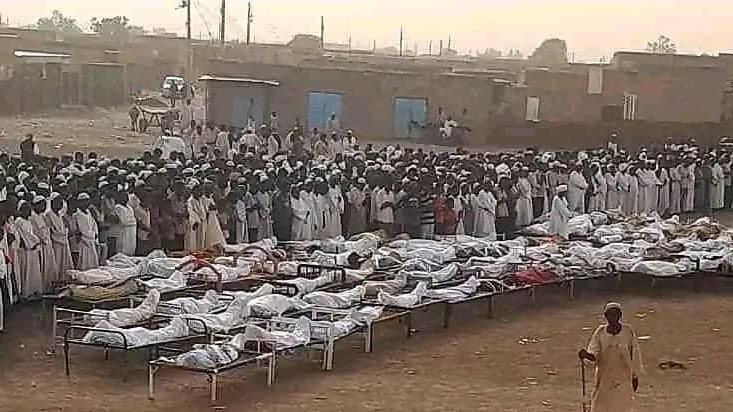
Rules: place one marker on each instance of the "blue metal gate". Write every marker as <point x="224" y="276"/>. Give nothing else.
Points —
<point x="320" y="108"/>
<point x="410" y="115"/>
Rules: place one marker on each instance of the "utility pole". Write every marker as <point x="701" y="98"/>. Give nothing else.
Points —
<point x="249" y="20"/>
<point x="430" y="48"/>
<point x="400" y="41"/>
<point x="222" y="27"/>
<point x="188" y="20"/>
<point x="449" y="39"/>
<point x="440" y="52"/>
<point x="323" y="33"/>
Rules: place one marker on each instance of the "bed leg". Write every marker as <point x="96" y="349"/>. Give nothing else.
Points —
<point x="329" y="355"/>
<point x="52" y="346"/>
<point x="271" y="369"/>
<point x="213" y="385"/>
<point x="447" y="312"/>
<point x="408" y="323"/>
<point x="490" y="308"/>
<point x="151" y="381"/>
<point x="368" y="338"/>
<point x="106" y="353"/>
<point x="66" y="359"/>
<point x="124" y="366"/>
<point x="532" y="297"/>
<point x="572" y="290"/>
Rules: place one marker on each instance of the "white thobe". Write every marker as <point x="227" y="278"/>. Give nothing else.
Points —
<point x="717" y="195"/>
<point x="336" y="209"/>
<point x="213" y="234"/>
<point x="300" y="226"/>
<point x="618" y="360"/>
<point x="675" y="198"/>
<point x="49" y="268"/>
<point x="127" y="242"/>
<point x="523" y="205"/>
<point x="611" y="191"/>
<point x="642" y="181"/>
<point x="357" y="211"/>
<point x="60" y="241"/>
<point x="623" y="182"/>
<point x="689" y="190"/>
<point x="242" y="234"/>
<point x="222" y="143"/>
<point x="601" y="191"/>
<point x="577" y="185"/>
<point x="559" y="216"/>
<point x="194" y="237"/>
<point x="631" y="205"/>
<point x="29" y="259"/>
<point x="663" y="198"/>
<point x="458" y="210"/>
<point x="89" y="235"/>
<point x="484" y="225"/>
<point x="265" y="229"/>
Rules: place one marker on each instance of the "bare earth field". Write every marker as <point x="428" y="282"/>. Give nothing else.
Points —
<point x="522" y="360"/>
<point x="516" y="362"/>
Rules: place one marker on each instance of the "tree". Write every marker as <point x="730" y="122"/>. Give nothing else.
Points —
<point x="116" y="27"/>
<point x="662" y="45"/>
<point x="58" y="23"/>
<point x="552" y="52"/>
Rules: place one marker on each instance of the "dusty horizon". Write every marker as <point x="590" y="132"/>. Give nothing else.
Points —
<point x="591" y="30"/>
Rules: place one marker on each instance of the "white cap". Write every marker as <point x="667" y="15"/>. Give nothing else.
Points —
<point x="562" y="188"/>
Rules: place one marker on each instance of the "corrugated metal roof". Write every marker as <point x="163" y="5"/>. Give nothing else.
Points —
<point x="25" y="53"/>
<point x="210" y="78"/>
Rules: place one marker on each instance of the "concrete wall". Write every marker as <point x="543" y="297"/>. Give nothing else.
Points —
<point x="665" y="93"/>
<point x="103" y="85"/>
<point x="227" y="103"/>
<point x="367" y="96"/>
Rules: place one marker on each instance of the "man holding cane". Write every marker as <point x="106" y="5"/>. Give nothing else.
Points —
<point x="614" y="348"/>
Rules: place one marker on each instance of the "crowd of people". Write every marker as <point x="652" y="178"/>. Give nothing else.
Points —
<point x="75" y="211"/>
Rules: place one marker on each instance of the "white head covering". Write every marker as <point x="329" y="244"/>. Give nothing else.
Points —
<point x="612" y="305"/>
<point x="83" y="196"/>
<point x="562" y="188"/>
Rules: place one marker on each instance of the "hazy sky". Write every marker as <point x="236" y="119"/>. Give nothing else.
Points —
<point x="592" y="28"/>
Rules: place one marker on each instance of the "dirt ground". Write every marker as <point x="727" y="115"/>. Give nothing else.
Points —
<point x="518" y="361"/>
<point x="522" y="360"/>
<point x="105" y="131"/>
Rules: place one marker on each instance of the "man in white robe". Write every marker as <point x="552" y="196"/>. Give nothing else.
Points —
<point x="49" y="267"/>
<point x="611" y="188"/>
<point x="560" y="213"/>
<point x="127" y="242"/>
<point x="88" y="234"/>
<point x="614" y="348"/>
<point x="663" y="198"/>
<point x="197" y="215"/>
<point x="28" y="254"/>
<point x="357" y="209"/>
<point x="675" y="196"/>
<point x="264" y="199"/>
<point x="577" y="185"/>
<point x="485" y="213"/>
<point x="688" y="186"/>
<point x="213" y="235"/>
<point x="623" y="183"/>
<point x="240" y="215"/>
<point x="4" y="276"/>
<point x="523" y="205"/>
<point x="59" y="235"/>
<point x="717" y="197"/>
<point x="334" y="228"/>
<point x="600" y="189"/>
<point x="301" y="228"/>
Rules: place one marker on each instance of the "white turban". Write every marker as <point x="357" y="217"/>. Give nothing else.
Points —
<point x="562" y="188"/>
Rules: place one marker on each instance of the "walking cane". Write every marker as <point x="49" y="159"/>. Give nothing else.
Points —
<point x="583" y="401"/>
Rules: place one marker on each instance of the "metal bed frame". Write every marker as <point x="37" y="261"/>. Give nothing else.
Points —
<point x="70" y="340"/>
<point x="256" y="356"/>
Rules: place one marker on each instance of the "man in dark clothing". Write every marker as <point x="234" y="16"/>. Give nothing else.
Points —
<point x="28" y="148"/>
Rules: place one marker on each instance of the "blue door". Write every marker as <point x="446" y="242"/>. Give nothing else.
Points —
<point x="410" y="116"/>
<point x="320" y="108"/>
